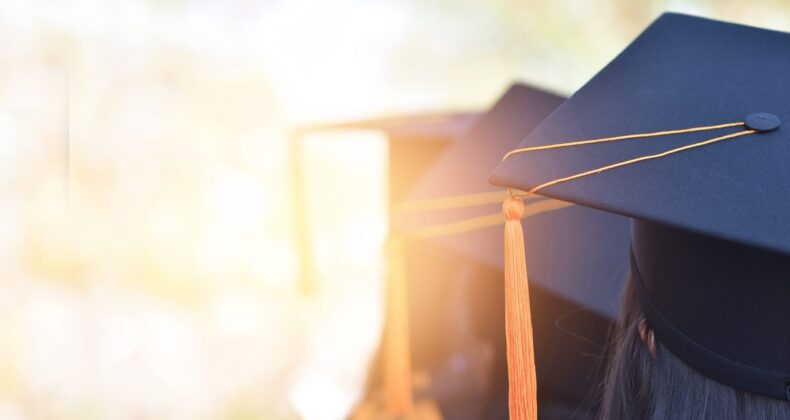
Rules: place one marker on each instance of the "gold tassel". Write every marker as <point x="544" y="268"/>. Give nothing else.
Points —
<point x="397" y="363"/>
<point x="522" y="379"/>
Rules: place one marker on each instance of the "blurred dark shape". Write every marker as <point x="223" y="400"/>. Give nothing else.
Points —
<point x="577" y="260"/>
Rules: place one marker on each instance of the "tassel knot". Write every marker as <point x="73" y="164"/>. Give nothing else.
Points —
<point x="513" y="208"/>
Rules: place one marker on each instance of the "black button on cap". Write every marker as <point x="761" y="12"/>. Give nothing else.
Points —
<point x="762" y="121"/>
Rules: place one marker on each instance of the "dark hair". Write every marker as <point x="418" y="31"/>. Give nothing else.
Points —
<point x="639" y="387"/>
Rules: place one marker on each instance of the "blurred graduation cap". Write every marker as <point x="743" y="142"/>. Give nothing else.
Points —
<point x="686" y="137"/>
<point x="578" y="260"/>
<point x="414" y="141"/>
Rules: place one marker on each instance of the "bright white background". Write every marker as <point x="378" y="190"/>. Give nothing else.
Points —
<point x="149" y="267"/>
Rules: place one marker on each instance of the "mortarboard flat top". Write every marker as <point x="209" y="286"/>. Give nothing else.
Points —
<point x="681" y="72"/>
<point x="711" y="237"/>
<point x="415" y="141"/>
<point x="437" y="126"/>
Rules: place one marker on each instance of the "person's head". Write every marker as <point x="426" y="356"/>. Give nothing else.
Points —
<point x="646" y="381"/>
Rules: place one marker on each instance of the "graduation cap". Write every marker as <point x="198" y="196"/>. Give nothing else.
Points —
<point x="561" y="259"/>
<point x="571" y="245"/>
<point x="414" y="141"/>
<point x="578" y="256"/>
<point x="683" y="133"/>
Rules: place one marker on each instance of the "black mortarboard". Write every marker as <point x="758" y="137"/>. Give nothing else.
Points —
<point x="577" y="257"/>
<point x="710" y="252"/>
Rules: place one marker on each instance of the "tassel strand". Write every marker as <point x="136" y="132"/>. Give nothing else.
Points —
<point x="399" y="399"/>
<point x="522" y="379"/>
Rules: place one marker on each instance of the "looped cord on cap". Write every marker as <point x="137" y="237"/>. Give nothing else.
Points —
<point x="630" y="161"/>
<point x="451" y="202"/>
<point x="481" y="222"/>
<point x="625" y="137"/>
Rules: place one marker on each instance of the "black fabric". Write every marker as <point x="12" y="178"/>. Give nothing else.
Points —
<point x="721" y="307"/>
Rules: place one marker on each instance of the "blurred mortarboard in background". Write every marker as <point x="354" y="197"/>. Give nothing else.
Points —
<point x="561" y="259"/>
<point x="710" y="253"/>
<point x="577" y="262"/>
<point x="414" y="141"/>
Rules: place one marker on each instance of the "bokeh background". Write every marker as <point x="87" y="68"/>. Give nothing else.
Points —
<point x="150" y="268"/>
